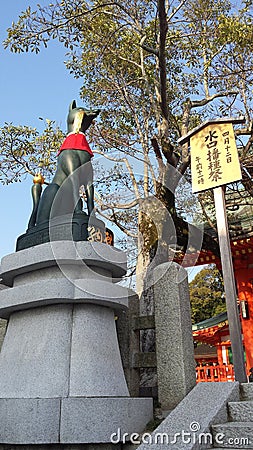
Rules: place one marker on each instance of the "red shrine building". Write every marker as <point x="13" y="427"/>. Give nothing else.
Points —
<point x="214" y="332"/>
<point x="213" y="356"/>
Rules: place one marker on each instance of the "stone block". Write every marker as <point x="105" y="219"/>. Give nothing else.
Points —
<point x="62" y="290"/>
<point x="241" y="411"/>
<point x="203" y="407"/>
<point x="174" y="343"/>
<point x="66" y="447"/>
<point x="34" y="361"/>
<point x="129" y="342"/>
<point x="246" y="391"/>
<point x="87" y="421"/>
<point x="62" y="254"/>
<point x="29" y="421"/>
<point x="95" y="368"/>
<point x="61" y="376"/>
<point x="94" y="420"/>
<point x="229" y="434"/>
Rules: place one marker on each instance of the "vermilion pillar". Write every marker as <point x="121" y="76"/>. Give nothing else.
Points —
<point x="244" y="278"/>
<point x="219" y="354"/>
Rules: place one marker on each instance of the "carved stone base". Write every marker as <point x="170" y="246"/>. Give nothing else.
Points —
<point x="61" y="375"/>
<point x="72" y="420"/>
<point x="79" y="227"/>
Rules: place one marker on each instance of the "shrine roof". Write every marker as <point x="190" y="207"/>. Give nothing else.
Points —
<point x="208" y="323"/>
<point x="195" y="130"/>
<point x="212" y="331"/>
<point x="239" y="205"/>
<point x="240" y="221"/>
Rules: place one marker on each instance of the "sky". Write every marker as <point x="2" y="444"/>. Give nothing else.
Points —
<point x="32" y="86"/>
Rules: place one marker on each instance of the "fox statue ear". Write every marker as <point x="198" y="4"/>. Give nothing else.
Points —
<point x="72" y="105"/>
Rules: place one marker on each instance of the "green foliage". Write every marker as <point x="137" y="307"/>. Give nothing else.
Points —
<point x="207" y="294"/>
<point x="24" y="150"/>
<point x="114" y="47"/>
<point x="155" y="77"/>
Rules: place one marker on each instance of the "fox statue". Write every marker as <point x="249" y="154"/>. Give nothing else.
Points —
<point x="74" y="169"/>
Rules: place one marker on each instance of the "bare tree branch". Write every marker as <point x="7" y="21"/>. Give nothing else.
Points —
<point x="204" y="101"/>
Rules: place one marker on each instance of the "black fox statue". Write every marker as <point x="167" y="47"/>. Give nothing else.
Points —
<point x="74" y="169"/>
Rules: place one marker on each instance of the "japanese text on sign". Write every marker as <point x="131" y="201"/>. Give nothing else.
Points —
<point x="214" y="157"/>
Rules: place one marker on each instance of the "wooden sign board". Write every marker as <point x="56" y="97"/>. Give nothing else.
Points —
<point x="214" y="157"/>
<point x="215" y="162"/>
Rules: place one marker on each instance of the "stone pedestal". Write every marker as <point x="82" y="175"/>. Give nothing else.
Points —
<point x="174" y="343"/>
<point x="68" y="227"/>
<point x="61" y="376"/>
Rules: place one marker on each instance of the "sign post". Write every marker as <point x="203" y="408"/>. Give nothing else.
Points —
<point x="214" y="163"/>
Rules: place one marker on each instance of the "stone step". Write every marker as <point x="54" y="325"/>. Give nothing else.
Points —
<point x="233" y="434"/>
<point x="246" y="391"/>
<point x="241" y="411"/>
